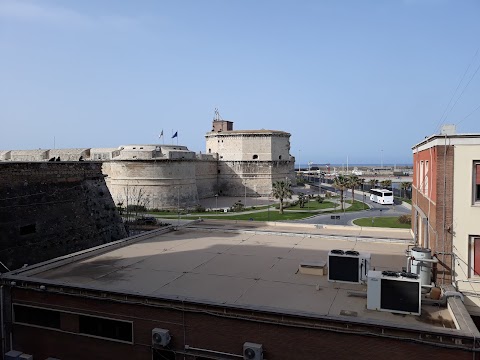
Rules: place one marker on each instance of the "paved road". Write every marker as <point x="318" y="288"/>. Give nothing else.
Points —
<point x="376" y="210"/>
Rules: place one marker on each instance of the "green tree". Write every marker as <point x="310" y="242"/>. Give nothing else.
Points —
<point x="405" y="186"/>
<point x="302" y="199"/>
<point x="281" y="190"/>
<point x="386" y="184"/>
<point x="341" y="183"/>
<point x="373" y="183"/>
<point x="354" y="181"/>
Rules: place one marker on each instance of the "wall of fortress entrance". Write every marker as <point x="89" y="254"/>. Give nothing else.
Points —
<point x="159" y="176"/>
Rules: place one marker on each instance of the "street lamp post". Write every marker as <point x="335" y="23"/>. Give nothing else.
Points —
<point x="245" y="203"/>
<point x="178" y="206"/>
<point x="216" y="202"/>
<point x="268" y="208"/>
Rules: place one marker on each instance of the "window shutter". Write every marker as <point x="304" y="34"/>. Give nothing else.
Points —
<point x="476" y="256"/>
<point x="477" y="174"/>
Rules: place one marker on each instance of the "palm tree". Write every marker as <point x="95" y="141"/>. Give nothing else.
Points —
<point x="405" y="186"/>
<point x="302" y="199"/>
<point x="341" y="183"/>
<point x="282" y="190"/>
<point x="353" y="181"/>
<point x="373" y="183"/>
<point x="386" y="184"/>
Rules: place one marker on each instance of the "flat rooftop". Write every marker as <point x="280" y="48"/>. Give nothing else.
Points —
<point x="247" y="269"/>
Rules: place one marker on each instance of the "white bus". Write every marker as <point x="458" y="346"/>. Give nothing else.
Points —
<point x="381" y="196"/>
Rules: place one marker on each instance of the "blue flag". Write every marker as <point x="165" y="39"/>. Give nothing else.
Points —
<point x="175" y="135"/>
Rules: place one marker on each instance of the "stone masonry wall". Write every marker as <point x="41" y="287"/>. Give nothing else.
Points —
<point x="206" y="176"/>
<point x="49" y="209"/>
<point x="256" y="176"/>
<point x="165" y="184"/>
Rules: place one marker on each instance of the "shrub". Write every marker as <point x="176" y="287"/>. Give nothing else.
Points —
<point x="238" y="206"/>
<point x="133" y="208"/>
<point x="199" y="209"/>
<point x="405" y="219"/>
<point x="319" y="199"/>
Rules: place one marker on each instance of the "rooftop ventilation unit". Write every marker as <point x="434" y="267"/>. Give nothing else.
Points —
<point x="348" y="266"/>
<point x="252" y="351"/>
<point x="397" y="292"/>
<point x="160" y="338"/>
<point x="12" y="355"/>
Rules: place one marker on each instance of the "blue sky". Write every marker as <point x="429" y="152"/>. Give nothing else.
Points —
<point x="363" y="79"/>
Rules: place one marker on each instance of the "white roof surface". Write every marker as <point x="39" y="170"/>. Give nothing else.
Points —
<point x="247" y="269"/>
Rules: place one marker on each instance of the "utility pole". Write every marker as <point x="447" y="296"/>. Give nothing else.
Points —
<point x="178" y="206"/>
<point x="245" y="203"/>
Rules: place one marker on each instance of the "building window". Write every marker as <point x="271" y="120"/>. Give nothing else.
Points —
<point x="418" y="175"/>
<point x="420" y="184"/>
<point x="426" y="179"/>
<point x="106" y="328"/>
<point x="209" y="151"/>
<point x="255" y="157"/>
<point x="474" y="256"/>
<point x="476" y="182"/>
<point x="36" y="316"/>
<point x="279" y="157"/>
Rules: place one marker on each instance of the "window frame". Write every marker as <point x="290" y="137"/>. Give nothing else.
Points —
<point x="421" y="179"/>
<point x="16" y="321"/>
<point x="425" y="179"/>
<point x="471" y="257"/>
<point x="475" y="186"/>
<point x="73" y="332"/>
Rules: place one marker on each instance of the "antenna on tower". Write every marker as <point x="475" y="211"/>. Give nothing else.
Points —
<point x="217" y="116"/>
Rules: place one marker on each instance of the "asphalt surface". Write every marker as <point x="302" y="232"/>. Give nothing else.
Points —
<point x="376" y="210"/>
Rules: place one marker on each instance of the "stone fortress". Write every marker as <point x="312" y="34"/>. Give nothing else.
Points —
<point x="236" y="163"/>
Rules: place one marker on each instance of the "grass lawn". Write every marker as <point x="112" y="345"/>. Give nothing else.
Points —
<point x="313" y="205"/>
<point x="388" y="222"/>
<point x="357" y="206"/>
<point x="173" y="213"/>
<point x="271" y="215"/>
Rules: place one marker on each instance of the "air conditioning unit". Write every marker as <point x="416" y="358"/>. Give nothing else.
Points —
<point x="12" y="355"/>
<point x="348" y="266"/>
<point x="397" y="292"/>
<point x="160" y="338"/>
<point x="252" y="351"/>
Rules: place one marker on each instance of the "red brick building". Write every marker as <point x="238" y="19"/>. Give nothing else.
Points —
<point x="446" y="208"/>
